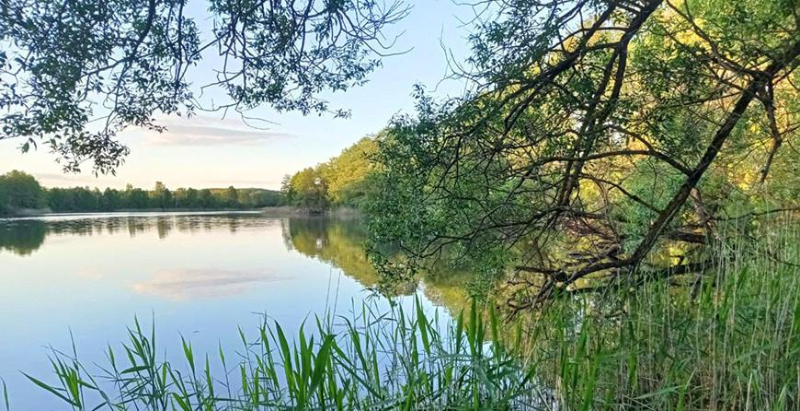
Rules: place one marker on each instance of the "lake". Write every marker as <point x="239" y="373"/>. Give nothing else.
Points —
<point x="197" y="275"/>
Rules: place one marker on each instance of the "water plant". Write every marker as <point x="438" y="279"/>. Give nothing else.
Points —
<point x="724" y="340"/>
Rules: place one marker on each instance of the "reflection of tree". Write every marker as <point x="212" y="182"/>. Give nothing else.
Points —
<point x="164" y="225"/>
<point x="135" y="226"/>
<point x="340" y="243"/>
<point x="22" y="237"/>
<point x="448" y="286"/>
<point x="333" y="241"/>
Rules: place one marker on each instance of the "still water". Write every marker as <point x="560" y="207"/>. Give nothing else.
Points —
<point x="197" y="275"/>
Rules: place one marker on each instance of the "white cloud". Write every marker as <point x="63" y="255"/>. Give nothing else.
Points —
<point x="66" y="179"/>
<point x="201" y="283"/>
<point x="205" y="131"/>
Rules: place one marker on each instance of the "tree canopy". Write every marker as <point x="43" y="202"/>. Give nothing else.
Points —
<point x="603" y="128"/>
<point x="75" y="73"/>
<point x="345" y="180"/>
<point x="598" y="138"/>
<point x="21" y="191"/>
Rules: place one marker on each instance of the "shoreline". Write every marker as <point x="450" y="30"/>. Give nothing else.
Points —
<point x="280" y="211"/>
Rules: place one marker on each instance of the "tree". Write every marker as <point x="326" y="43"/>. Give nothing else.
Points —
<point x="87" y="199"/>
<point x="4" y="206"/>
<point x="287" y="195"/>
<point x="127" y="60"/>
<point x="179" y="198"/>
<point x="231" y="197"/>
<point x="244" y="198"/>
<point x="21" y="190"/>
<point x="60" y="200"/>
<point x="206" y="199"/>
<point x="191" y="199"/>
<point x="257" y="199"/>
<point x="161" y="197"/>
<point x="264" y="198"/>
<point x="136" y="198"/>
<point x="110" y="200"/>
<point x="346" y="173"/>
<point x="345" y="180"/>
<point x="309" y="190"/>
<point x="584" y="116"/>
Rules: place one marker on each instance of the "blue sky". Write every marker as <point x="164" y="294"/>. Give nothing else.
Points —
<point x="208" y="151"/>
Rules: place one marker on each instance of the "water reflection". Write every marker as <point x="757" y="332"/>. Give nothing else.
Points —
<point x="186" y="284"/>
<point x="25" y="236"/>
<point x="338" y="243"/>
<point x="22" y="237"/>
<point x="198" y="275"/>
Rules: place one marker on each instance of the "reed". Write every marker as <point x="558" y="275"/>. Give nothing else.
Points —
<point x="373" y="360"/>
<point x="727" y="340"/>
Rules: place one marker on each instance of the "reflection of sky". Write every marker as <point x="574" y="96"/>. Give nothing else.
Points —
<point x="201" y="283"/>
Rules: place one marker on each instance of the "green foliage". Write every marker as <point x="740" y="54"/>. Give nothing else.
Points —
<point x="347" y="175"/>
<point x="110" y="200"/>
<point x="136" y="197"/>
<point x="652" y="182"/>
<point x="231" y="197"/>
<point x="722" y="342"/>
<point x="589" y="144"/>
<point x="4" y="206"/>
<point x="21" y="191"/>
<point x="727" y="339"/>
<point x="346" y="180"/>
<point x="401" y="359"/>
<point x="307" y="189"/>
<point x="161" y="197"/>
<point x="127" y="60"/>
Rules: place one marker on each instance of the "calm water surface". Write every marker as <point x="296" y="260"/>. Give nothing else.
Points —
<point x="196" y="275"/>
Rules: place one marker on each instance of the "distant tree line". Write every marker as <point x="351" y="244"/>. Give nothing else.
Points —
<point x="344" y="181"/>
<point x="19" y="190"/>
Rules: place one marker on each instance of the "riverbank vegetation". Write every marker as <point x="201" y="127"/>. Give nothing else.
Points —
<point x="346" y="180"/>
<point x="21" y="192"/>
<point x="625" y="145"/>
<point x="621" y="178"/>
<point x="729" y="343"/>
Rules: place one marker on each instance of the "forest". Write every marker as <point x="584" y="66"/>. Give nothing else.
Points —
<point x="347" y="180"/>
<point x="20" y="191"/>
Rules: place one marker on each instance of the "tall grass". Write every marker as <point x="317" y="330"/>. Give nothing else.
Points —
<point x="5" y="394"/>
<point x="376" y="360"/>
<point x="728" y="340"/>
<point x="725" y="341"/>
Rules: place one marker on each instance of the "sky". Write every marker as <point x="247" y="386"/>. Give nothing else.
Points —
<point x="211" y="151"/>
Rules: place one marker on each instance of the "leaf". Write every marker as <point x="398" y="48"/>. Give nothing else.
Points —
<point x="5" y="394"/>
<point x="52" y="390"/>
<point x="663" y="391"/>
<point x="181" y="402"/>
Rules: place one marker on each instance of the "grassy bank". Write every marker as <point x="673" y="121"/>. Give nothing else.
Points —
<point x="724" y="341"/>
